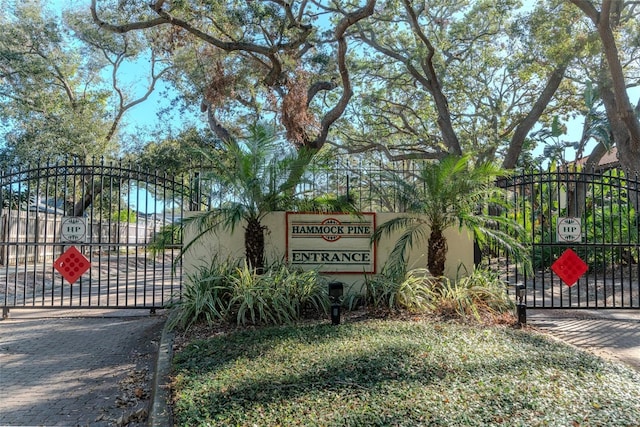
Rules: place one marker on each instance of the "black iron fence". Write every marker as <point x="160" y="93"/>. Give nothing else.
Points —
<point x="592" y="213"/>
<point x="122" y="207"/>
<point x="119" y="208"/>
<point x="365" y="183"/>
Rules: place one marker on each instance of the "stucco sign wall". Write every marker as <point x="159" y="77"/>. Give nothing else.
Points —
<point x="332" y="243"/>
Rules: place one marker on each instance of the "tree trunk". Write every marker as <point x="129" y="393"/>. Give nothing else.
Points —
<point x="437" y="253"/>
<point x="90" y="192"/>
<point x="254" y="245"/>
<point x="432" y="83"/>
<point x="624" y="109"/>
<point x="522" y="130"/>
<point x="622" y="113"/>
<point x="628" y="153"/>
<point x="577" y="191"/>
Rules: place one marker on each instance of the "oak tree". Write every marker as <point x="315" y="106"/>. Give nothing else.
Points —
<point x="268" y="60"/>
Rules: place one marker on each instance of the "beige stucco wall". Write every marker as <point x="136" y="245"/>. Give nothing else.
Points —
<point x="226" y="245"/>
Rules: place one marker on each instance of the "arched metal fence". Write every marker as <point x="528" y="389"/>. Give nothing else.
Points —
<point x="592" y="213"/>
<point x="122" y="206"/>
<point x="115" y="208"/>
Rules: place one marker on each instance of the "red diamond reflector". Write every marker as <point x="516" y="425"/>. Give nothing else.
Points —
<point x="569" y="267"/>
<point x="72" y="264"/>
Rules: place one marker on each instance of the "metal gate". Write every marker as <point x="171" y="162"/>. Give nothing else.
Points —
<point x="119" y="208"/>
<point x="604" y="207"/>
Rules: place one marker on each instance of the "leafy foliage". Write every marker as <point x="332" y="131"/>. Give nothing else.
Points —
<point x="246" y="180"/>
<point x="205" y="296"/>
<point x="226" y="291"/>
<point x="249" y="179"/>
<point x="478" y="296"/>
<point x="445" y="194"/>
<point x="411" y="293"/>
<point x="277" y="297"/>
<point x="242" y="60"/>
<point x="398" y="373"/>
<point x="61" y="94"/>
<point x="125" y="215"/>
<point x="477" y="71"/>
<point x="481" y="294"/>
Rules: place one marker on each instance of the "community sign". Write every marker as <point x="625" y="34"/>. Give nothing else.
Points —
<point x="332" y="243"/>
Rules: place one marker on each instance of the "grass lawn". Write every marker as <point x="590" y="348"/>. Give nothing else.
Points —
<point x="398" y="373"/>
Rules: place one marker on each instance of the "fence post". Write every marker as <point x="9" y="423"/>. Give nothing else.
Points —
<point x="521" y="307"/>
<point x="195" y="201"/>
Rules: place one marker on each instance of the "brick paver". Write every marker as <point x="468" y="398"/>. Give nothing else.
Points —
<point x="611" y="334"/>
<point x="66" y="371"/>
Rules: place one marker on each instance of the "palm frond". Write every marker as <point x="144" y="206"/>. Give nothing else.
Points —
<point x="452" y="192"/>
<point x="250" y="178"/>
<point x="415" y="231"/>
<point x="391" y="226"/>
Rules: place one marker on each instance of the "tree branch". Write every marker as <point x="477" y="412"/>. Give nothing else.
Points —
<point x="378" y="147"/>
<point x="317" y="87"/>
<point x="347" y="92"/>
<point x="215" y="126"/>
<point x="124" y="107"/>
<point x="444" y="116"/>
<point x="121" y="29"/>
<point x="522" y="130"/>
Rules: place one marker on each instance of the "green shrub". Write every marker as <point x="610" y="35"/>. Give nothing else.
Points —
<point x="479" y="294"/>
<point x="412" y="292"/>
<point x="277" y="297"/>
<point x="124" y="215"/>
<point x="229" y="292"/>
<point x="206" y="295"/>
<point x="306" y="290"/>
<point x="255" y="299"/>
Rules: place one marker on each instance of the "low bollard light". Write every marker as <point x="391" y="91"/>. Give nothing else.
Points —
<point x="521" y="308"/>
<point x="336" y="290"/>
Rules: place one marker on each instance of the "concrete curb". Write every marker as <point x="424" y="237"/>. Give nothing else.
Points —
<point x="159" y="415"/>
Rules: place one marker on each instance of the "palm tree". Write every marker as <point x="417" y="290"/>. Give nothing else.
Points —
<point x="255" y="177"/>
<point x="444" y="194"/>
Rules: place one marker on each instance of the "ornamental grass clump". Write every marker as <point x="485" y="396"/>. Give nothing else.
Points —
<point x="479" y="295"/>
<point x="280" y="296"/>
<point x="306" y="290"/>
<point x="228" y="292"/>
<point x="411" y="292"/>
<point x="206" y="295"/>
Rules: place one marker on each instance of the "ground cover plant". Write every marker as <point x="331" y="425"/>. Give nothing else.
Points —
<point x="408" y="372"/>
